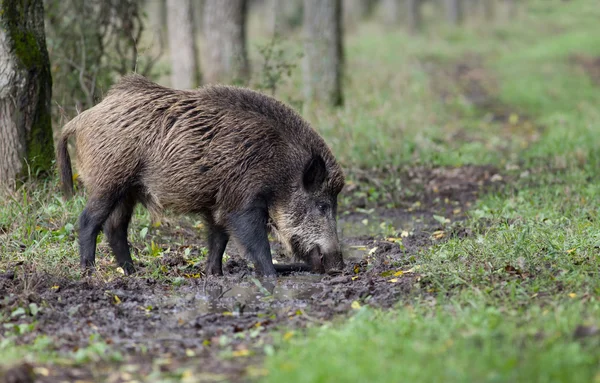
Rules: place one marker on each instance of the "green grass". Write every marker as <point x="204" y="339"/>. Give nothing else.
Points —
<point x="505" y="303"/>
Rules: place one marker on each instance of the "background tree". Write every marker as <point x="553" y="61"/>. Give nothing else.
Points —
<point x="185" y="73"/>
<point x="414" y="19"/>
<point x="323" y="60"/>
<point x="225" y="57"/>
<point x="355" y="11"/>
<point x="489" y="9"/>
<point x="454" y="11"/>
<point x="25" y="91"/>
<point x="391" y="11"/>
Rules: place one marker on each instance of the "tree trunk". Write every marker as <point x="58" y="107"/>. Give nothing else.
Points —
<point x="323" y="59"/>
<point x="413" y="15"/>
<point x="489" y="9"/>
<point x="26" y="145"/>
<point x="354" y="11"/>
<point x="225" y="55"/>
<point x="454" y="11"/>
<point x="185" y="73"/>
<point x="391" y="11"/>
<point x="511" y="6"/>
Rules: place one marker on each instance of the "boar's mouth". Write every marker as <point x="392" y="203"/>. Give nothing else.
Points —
<point x="314" y="258"/>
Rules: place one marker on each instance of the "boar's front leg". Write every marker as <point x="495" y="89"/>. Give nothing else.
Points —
<point x="249" y="226"/>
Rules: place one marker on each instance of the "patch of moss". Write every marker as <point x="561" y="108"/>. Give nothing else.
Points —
<point x="28" y="45"/>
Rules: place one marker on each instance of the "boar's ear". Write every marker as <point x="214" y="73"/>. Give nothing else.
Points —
<point x="315" y="173"/>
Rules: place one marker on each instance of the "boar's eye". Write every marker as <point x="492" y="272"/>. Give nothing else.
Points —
<point x="324" y="207"/>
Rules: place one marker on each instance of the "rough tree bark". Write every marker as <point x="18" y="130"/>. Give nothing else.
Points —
<point x="454" y="11"/>
<point x="26" y="145"/>
<point x="225" y="57"/>
<point x="323" y="59"/>
<point x="185" y="73"/>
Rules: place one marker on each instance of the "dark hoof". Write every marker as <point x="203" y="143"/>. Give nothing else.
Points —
<point x="128" y="269"/>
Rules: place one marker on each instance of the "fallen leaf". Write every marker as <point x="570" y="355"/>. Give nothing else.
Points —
<point x="572" y="295"/>
<point x="288" y="335"/>
<point x="43" y="371"/>
<point x="190" y="353"/>
<point x="354" y="278"/>
<point x="439" y="234"/>
<point x="393" y="280"/>
<point x="242" y="352"/>
<point x="120" y="270"/>
<point x="117" y="299"/>
<point x="398" y="273"/>
<point x="373" y="250"/>
<point x="355" y="305"/>
<point x="404" y="234"/>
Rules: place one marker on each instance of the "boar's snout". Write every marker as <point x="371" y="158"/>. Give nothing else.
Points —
<point x="327" y="259"/>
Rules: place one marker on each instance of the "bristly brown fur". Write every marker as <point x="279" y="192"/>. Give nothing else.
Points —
<point x="208" y="151"/>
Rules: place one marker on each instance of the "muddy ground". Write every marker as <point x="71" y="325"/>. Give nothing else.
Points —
<point x="215" y="329"/>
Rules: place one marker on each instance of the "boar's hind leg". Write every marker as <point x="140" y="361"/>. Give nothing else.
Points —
<point x="250" y="228"/>
<point x="217" y="241"/>
<point x="96" y="211"/>
<point x="115" y="229"/>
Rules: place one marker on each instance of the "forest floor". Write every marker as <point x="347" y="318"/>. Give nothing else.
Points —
<point x="469" y="225"/>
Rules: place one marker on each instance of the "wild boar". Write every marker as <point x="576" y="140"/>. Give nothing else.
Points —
<point x="243" y="161"/>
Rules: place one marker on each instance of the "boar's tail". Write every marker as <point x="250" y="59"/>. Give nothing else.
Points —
<point x="64" y="160"/>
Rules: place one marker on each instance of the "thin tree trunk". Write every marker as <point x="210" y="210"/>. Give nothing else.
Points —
<point x="489" y="9"/>
<point x="413" y="15"/>
<point x="225" y="55"/>
<point x="391" y="11"/>
<point x="26" y="144"/>
<point x="354" y="11"/>
<point x="454" y="11"/>
<point x="511" y="9"/>
<point x="323" y="60"/>
<point x="185" y="73"/>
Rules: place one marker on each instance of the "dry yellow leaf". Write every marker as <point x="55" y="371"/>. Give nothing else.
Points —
<point x="404" y="234"/>
<point x="572" y="295"/>
<point x="227" y="313"/>
<point x="398" y="273"/>
<point x="355" y="305"/>
<point x="288" y="335"/>
<point x="354" y="278"/>
<point x="117" y="300"/>
<point x="190" y="353"/>
<point x="393" y="280"/>
<point x="43" y="371"/>
<point x="439" y="234"/>
<point x="242" y="352"/>
<point x="120" y="270"/>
